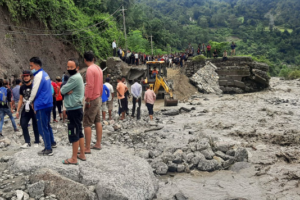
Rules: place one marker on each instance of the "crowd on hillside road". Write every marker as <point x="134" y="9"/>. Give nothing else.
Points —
<point x="172" y="59"/>
<point x="82" y="105"/>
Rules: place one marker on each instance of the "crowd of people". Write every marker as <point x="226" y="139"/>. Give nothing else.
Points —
<point x="35" y="96"/>
<point x="177" y="59"/>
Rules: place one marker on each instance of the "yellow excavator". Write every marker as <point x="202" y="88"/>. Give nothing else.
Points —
<point x="156" y="72"/>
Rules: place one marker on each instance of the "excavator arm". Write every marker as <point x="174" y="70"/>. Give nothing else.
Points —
<point x="169" y="99"/>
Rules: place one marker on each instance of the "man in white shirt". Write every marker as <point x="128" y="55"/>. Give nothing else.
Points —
<point x="114" y="46"/>
<point x="110" y="102"/>
<point x="136" y="55"/>
<point x="136" y="91"/>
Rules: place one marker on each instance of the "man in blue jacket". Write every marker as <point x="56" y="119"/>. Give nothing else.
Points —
<point x="105" y="97"/>
<point x="41" y="97"/>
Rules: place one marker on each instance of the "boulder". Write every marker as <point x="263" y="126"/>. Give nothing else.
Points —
<point x="208" y="165"/>
<point x="116" y="175"/>
<point x="36" y="190"/>
<point x="241" y="155"/>
<point x="62" y="187"/>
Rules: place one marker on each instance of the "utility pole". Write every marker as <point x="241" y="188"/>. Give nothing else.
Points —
<point x="151" y="45"/>
<point x="123" y="10"/>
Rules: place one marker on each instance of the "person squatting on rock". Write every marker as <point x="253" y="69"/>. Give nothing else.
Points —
<point x="59" y="99"/>
<point x="5" y="98"/>
<point x="136" y="91"/>
<point x="110" y="102"/>
<point x="93" y="101"/>
<point x="41" y="97"/>
<point x="105" y="96"/>
<point x="121" y="90"/>
<point x="73" y="92"/>
<point x="26" y="115"/>
<point x="149" y="99"/>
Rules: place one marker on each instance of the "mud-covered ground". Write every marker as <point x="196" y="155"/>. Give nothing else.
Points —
<point x="264" y="123"/>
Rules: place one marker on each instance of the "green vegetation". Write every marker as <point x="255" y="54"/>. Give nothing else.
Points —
<point x="200" y="58"/>
<point x="173" y="25"/>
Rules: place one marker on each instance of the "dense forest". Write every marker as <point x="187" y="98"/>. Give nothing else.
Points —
<point x="268" y="30"/>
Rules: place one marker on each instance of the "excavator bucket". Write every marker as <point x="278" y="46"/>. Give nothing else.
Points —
<point x="170" y="101"/>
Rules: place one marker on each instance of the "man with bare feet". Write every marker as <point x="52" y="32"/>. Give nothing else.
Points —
<point x="93" y="101"/>
<point x="73" y="92"/>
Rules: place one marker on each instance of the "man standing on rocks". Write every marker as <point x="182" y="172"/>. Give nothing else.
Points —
<point x="73" y="92"/>
<point x="16" y="92"/>
<point x="41" y="97"/>
<point x="121" y="89"/>
<point x="110" y="102"/>
<point x="105" y="97"/>
<point x="149" y="99"/>
<point x="136" y="91"/>
<point x="114" y="46"/>
<point x="93" y="101"/>
<point x="5" y="97"/>
<point x="26" y="115"/>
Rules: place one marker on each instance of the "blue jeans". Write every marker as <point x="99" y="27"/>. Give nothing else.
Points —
<point x="43" y="121"/>
<point x="7" y="111"/>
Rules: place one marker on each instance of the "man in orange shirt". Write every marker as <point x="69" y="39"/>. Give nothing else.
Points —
<point x="121" y="90"/>
<point x="93" y="101"/>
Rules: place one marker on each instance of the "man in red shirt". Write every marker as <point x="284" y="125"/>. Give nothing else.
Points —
<point x="59" y="99"/>
<point x="93" y="101"/>
<point x="56" y="90"/>
<point x="208" y="50"/>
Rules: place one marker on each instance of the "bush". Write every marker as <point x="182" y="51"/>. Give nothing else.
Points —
<point x="200" y="58"/>
<point x="294" y="75"/>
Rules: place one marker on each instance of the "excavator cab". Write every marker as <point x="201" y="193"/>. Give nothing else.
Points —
<point x="155" y="77"/>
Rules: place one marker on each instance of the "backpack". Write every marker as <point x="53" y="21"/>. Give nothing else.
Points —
<point x="3" y="95"/>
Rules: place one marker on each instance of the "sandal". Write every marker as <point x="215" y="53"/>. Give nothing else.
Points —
<point x="66" y="162"/>
<point x="84" y="152"/>
<point x="80" y="158"/>
<point x="96" y="148"/>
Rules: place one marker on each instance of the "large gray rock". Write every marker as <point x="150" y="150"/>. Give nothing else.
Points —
<point x="62" y="187"/>
<point x="116" y="175"/>
<point x="207" y="80"/>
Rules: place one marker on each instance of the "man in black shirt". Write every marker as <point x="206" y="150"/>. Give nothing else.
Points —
<point x="27" y="114"/>
<point x="5" y="97"/>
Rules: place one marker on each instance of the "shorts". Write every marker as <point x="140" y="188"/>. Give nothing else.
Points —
<point x="110" y="105"/>
<point x="150" y="108"/>
<point x="74" y="125"/>
<point x="92" y="114"/>
<point x="122" y="105"/>
<point x="104" y="107"/>
<point x="64" y="108"/>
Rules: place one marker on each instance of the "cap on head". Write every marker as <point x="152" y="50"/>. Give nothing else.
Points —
<point x="26" y="73"/>
<point x="107" y="80"/>
<point x="58" y="78"/>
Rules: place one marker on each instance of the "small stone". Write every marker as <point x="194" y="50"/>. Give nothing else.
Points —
<point x="172" y="167"/>
<point x="26" y="196"/>
<point x="36" y="190"/>
<point x="19" y="194"/>
<point x="161" y="168"/>
<point x="241" y="155"/>
<point x="180" y="168"/>
<point x="180" y="196"/>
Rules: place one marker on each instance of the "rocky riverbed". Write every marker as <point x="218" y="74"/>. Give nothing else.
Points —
<point x="217" y="147"/>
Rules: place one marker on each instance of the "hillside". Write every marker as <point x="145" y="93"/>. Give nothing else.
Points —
<point x="17" y="49"/>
